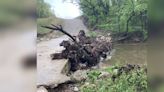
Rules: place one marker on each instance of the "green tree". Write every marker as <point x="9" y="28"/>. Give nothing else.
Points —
<point x="43" y="9"/>
<point x="116" y="15"/>
<point x="95" y="11"/>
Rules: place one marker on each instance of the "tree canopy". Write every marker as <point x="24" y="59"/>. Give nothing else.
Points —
<point x="43" y="9"/>
<point x="115" y="15"/>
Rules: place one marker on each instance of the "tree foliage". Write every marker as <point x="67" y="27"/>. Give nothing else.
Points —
<point x="116" y="15"/>
<point x="43" y="9"/>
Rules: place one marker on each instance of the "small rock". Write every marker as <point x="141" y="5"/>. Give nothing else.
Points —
<point x="95" y="67"/>
<point x="100" y="65"/>
<point x="82" y="65"/>
<point x="115" y="71"/>
<point x="76" y="89"/>
<point x="79" y="75"/>
<point x="109" y="34"/>
<point x="42" y="89"/>
<point x="108" y="57"/>
<point x="104" y="74"/>
<point x="87" y="83"/>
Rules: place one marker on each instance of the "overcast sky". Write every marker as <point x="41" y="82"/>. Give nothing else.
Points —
<point x="64" y="10"/>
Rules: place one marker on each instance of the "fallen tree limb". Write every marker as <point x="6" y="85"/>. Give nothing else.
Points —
<point x="60" y="29"/>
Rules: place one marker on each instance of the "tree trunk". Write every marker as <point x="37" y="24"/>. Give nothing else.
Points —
<point x="129" y="19"/>
<point x="119" y="24"/>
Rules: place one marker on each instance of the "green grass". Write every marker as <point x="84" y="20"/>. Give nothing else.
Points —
<point x="134" y="81"/>
<point x="92" y="34"/>
<point x="47" y="21"/>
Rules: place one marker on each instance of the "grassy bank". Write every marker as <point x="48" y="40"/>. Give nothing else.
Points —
<point x="44" y="34"/>
<point x="47" y="21"/>
<point x="121" y="79"/>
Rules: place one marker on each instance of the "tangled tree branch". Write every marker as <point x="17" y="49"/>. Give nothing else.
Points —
<point x="60" y="28"/>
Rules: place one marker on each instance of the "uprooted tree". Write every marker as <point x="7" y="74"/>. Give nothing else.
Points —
<point x="82" y="51"/>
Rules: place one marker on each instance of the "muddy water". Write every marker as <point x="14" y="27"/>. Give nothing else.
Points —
<point x="129" y="53"/>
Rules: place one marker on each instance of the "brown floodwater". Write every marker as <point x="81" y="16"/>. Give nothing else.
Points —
<point x="129" y="53"/>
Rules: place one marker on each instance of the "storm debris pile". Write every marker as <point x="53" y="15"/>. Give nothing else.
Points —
<point x="82" y="51"/>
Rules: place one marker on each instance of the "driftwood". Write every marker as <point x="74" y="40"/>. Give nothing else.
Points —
<point x="81" y="49"/>
<point x="122" y="37"/>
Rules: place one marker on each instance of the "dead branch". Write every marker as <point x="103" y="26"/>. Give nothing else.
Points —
<point x="60" y="29"/>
